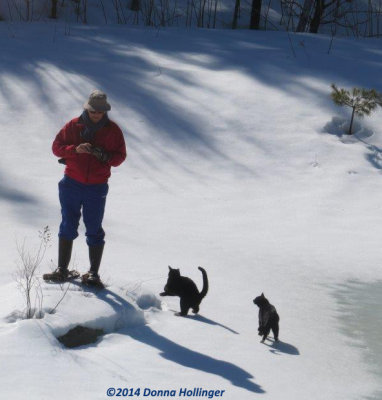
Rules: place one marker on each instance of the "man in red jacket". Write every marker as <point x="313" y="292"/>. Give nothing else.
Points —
<point x="89" y="146"/>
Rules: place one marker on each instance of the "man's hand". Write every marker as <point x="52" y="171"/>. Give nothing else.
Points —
<point x="84" y="148"/>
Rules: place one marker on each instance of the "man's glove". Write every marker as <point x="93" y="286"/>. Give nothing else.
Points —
<point x="100" y="154"/>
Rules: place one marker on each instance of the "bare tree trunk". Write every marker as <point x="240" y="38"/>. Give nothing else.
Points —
<point x="53" y="10"/>
<point x="85" y="11"/>
<point x="370" y="18"/>
<point x="135" y="5"/>
<point x="255" y="14"/>
<point x="215" y="12"/>
<point x="188" y="13"/>
<point x="304" y="16"/>
<point x="202" y="5"/>
<point x="267" y="14"/>
<point x="316" y="20"/>
<point x="104" y="12"/>
<point x="28" y="5"/>
<point x="351" y="122"/>
<point x="236" y="14"/>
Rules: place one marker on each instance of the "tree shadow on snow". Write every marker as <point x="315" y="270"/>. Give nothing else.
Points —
<point x="148" y="80"/>
<point x="12" y="195"/>
<point x="24" y="205"/>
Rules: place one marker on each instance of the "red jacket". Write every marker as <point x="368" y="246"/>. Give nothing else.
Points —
<point x="86" y="168"/>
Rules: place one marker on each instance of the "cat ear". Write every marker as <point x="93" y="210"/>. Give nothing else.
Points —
<point x="169" y="268"/>
<point x="262" y="295"/>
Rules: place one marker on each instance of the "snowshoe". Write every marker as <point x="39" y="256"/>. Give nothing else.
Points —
<point x="61" y="275"/>
<point x="92" y="279"/>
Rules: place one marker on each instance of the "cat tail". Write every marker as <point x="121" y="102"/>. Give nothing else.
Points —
<point x="205" y="283"/>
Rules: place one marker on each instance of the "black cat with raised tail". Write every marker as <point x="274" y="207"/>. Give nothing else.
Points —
<point x="185" y="288"/>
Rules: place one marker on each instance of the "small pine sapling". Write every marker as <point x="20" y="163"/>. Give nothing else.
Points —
<point x="362" y="101"/>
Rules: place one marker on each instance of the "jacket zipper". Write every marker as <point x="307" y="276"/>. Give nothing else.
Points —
<point x="88" y="171"/>
<point x="89" y="162"/>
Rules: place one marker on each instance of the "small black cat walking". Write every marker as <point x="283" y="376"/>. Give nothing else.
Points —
<point x="186" y="289"/>
<point x="268" y="318"/>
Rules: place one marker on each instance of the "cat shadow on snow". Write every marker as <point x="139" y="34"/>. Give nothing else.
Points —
<point x="282" y="347"/>
<point x="211" y="322"/>
<point x="201" y="318"/>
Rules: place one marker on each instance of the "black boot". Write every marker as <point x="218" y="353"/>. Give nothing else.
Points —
<point x="64" y="253"/>
<point x="95" y="257"/>
<point x="61" y="274"/>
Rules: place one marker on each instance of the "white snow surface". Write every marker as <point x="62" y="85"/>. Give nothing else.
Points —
<point x="237" y="162"/>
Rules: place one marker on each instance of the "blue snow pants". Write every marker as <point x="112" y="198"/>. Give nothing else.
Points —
<point x="91" y="199"/>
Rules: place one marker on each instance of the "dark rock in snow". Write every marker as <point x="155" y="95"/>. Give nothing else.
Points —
<point x="80" y="336"/>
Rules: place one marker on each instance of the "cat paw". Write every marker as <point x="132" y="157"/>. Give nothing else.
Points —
<point x="179" y="314"/>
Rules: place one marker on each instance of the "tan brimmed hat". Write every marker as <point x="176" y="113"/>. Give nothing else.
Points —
<point x="97" y="102"/>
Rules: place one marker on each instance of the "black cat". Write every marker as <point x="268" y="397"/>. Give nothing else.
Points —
<point x="268" y="318"/>
<point x="186" y="289"/>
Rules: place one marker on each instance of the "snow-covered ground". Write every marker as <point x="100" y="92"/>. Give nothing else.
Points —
<point x="236" y="163"/>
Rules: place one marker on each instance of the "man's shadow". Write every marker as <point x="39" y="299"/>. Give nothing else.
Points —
<point x="177" y="353"/>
